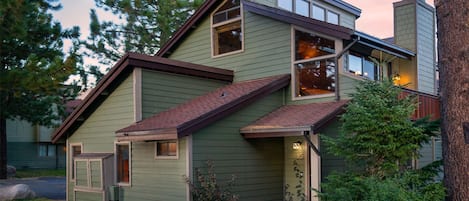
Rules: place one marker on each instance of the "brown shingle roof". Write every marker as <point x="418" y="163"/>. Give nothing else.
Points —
<point x="292" y="118"/>
<point x="188" y="117"/>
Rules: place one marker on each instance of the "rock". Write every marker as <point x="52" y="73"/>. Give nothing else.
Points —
<point x="11" y="171"/>
<point x="18" y="191"/>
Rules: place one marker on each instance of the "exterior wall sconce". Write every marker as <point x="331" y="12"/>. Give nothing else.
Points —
<point x="396" y="77"/>
<point x="296" y="145"/>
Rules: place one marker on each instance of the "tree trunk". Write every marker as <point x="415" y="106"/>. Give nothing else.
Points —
<point x="3" y="148"/>
<point x="453" y="49"/>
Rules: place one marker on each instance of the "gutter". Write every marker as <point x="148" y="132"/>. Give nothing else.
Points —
<point x="336" y="61"/>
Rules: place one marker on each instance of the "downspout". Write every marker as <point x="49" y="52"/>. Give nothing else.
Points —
<point x="310" y="143"/>
<point x="336" y="61"/>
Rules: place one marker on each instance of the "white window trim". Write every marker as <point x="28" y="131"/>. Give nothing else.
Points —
<point x="130" y="163"/>
<point x="213" y="26"/>
<point x="70" y="152"/>
<point x="345" y="72"/>
<point x="166" y="157"/>
<point x="338" y="48"/>
<point x="88" y="175"/>
<point x="327" y="17"/>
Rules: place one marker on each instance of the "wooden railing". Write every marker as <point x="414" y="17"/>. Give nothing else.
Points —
<point x="429" y="105"/>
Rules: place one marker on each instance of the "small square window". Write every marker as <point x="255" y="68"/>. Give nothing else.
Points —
<point x="167" y="149"/>
<point x="319" y="13"/>
<point x="302" y="8"/>
<point x="228" y="38"/>
<point x="332" y="17"/>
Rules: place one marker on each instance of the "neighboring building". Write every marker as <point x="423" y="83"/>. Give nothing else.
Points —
<point x="29" y="146"/>
<point x="248" y="85"/>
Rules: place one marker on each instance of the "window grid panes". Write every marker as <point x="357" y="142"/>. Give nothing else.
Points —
<point x="314" y="66"/>
<point x="166" y="148"/>
<point x="361" y="66"/>
<point x="226" y="28"/>
<point x="318" y="13"/>
<point x="308" y="9"/>
<point x="302" y="8"/>
<point x="332" y="17"/>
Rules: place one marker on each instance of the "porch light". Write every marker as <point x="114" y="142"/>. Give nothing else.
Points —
<point x="296" y="145"/>
<point x="396" y="77"/>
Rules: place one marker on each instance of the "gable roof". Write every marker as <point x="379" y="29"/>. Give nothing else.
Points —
<point x="199" y="112"/>
<point x="275" y="13"/>
<point x="120" y="71"/>
<point x="287" y="121"/>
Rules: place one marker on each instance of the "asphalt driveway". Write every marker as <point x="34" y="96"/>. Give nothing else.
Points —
<point x="47" y="187"/>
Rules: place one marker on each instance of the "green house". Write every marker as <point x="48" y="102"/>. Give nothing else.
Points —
<point x="249" y="85"/>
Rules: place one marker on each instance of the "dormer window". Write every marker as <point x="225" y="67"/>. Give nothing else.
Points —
<point x="227" y="31"/>
<point x="308" y="9"/>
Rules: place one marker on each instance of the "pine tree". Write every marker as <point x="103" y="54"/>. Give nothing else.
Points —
<point x="453" y="58"/>
<point x="149" y="24"/>
<point x="33" y="66"/>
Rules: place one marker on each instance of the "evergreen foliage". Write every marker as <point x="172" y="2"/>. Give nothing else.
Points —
<point x="148" y="25"/>
<point x="33" y="66"/>
<point x="378" y="139"/>
<point x="208" y="188"/>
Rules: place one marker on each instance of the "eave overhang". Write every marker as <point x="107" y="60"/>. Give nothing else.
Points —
<point x="178" y="122"/>
<point x="298" y="20"/>
<point x="372" y="42"/>
<point x="294" y="120"/>
<point x="119" y="72"/>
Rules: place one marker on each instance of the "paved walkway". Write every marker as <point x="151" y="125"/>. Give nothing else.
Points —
<point x="47" y="187"/>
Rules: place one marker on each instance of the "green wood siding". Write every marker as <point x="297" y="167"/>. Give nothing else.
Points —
<point x="156" y="179"/>
<point x="256" y="163"/>
<point x="266" y="51"/>
<point x="95" y="168"/>
<point x="329" y="162"/>
<point x="20" y="131"/>
<point x="161" y="91"/>
<point x="295" y="159"/>
<point x="81" y="173"/>
<point x="89" y="196"/>
<point x="97" y="133"/>
<point x="426" y="49"/>
<point x="25" y="155"/>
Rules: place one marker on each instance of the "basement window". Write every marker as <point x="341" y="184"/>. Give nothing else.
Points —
<point x="227" y="31"/>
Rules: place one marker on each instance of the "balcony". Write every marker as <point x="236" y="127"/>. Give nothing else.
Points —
<point x="429" y="105"/>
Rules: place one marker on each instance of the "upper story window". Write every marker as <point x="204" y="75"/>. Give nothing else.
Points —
<point x="227" y="32"/>
<point x="308" y="9"/>
<point x="361" y="66"/>
<point x="75" y="150"/>
<point x="314" y="65"/>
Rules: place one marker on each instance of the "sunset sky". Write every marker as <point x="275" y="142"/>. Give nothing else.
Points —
<point x="377" y="16"/>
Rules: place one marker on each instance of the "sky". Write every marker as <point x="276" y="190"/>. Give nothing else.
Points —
<point x="376" y="18"/>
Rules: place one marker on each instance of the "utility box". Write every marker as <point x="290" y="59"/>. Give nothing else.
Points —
<point x="113" y="193"/>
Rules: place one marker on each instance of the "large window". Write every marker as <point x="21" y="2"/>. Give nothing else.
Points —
<point x="227" y="31"/>
<point x="166" y="149"/>
<point x="314" y="66"/>
<point x="308" y="9"/>
<point x="361" y="66"/>
<point x="75" y="150"/>
<point x="123" y="163"/>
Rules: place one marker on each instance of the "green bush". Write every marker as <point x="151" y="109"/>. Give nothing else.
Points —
<point x="207" y="187"/>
